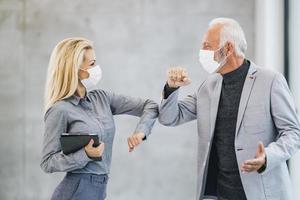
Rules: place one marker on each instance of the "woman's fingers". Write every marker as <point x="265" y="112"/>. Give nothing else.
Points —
<point x="133" y="141"/>
<point x="94" y="151"/>
<point x="101" y="148"/>
<point x="130" y="145"/>
<point x="91" y="142"/>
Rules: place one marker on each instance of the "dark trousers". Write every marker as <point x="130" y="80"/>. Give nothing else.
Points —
<point x="81" y="187"/>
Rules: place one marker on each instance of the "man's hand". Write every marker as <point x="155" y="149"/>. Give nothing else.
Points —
<point x="134" y="140"/>
<point x="258" y="161"/>
<point x="177" y="77"/>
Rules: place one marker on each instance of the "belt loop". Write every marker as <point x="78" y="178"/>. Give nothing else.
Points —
<point x="91" y="178"/>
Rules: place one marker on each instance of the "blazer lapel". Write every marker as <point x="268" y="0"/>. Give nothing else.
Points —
<point x="214" y="104"/>
<point x="249" y="81"/>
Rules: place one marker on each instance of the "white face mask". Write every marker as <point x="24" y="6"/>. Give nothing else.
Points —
<point x="95" y="75"/>
<point x="206" y="58"/>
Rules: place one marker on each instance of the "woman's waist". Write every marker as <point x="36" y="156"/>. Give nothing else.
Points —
<point x="96" y="167"/>
<point x="90" y="177"/>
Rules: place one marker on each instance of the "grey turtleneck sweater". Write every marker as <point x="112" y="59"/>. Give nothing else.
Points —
<point x="226" y="174"/>
<point x="229" y="185"/>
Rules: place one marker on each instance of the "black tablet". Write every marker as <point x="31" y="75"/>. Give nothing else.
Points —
<point x="72" y="142"/>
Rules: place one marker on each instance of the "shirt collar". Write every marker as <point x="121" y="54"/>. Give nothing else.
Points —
<point x="74" y="99"/>
<point x="237" y="74"/>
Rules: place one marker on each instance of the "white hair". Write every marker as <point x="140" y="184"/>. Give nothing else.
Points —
<point x="231" y="31"/>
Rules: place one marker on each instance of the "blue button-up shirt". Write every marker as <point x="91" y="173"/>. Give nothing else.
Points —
<point x="92" y="114"/>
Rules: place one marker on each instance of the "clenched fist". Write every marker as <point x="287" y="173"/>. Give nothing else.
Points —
<point x="177" y="77"/>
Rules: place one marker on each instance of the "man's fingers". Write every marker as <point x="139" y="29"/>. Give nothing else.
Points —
<point x="250" y="166"/>
<point x="184" y="82"/>
<point x="177" y="74"/>
<point x="184" y="74"/>
<point x="261" y="147"/>
<point x="247" y="168"/>
<point x="187" y="80"/>
<point x="253" y="162"/>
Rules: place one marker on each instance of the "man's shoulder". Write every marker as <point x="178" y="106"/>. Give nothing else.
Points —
<point x="265" y="72"/>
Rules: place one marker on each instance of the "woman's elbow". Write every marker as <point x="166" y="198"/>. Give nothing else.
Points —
<point x="46" y="167"/>
<point x="150" y="104"/>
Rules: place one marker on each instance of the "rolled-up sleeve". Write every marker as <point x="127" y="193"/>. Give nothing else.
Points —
<point x="53" y="160"/>
<point x="147" y="110"/>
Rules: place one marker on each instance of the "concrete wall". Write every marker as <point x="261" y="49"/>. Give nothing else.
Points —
<point x="135" y="42"/>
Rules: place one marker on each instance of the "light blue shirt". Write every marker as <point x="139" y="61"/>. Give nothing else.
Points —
<point x="92" y="114"/>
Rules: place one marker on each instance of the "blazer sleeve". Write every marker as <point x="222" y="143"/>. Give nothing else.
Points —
<point x="173" y="112"/>
<point x="146" y="110"/>
<point x="286" y="121"/>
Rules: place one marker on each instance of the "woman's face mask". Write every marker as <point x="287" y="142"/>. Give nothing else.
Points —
<point x="206" y="58"/>
<point x="95" y="75"/>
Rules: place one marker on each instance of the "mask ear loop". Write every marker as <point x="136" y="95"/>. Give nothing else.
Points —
<point x="221" y="64"/>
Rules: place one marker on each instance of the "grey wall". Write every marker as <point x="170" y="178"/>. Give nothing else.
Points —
<point x="135" y="42"/>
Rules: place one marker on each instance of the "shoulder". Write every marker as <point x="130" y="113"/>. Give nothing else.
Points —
<point x="58" y="109"/>
<point x="266" y="73"/>
<point x="269" y="75"/>
<point x="100" y="95"/>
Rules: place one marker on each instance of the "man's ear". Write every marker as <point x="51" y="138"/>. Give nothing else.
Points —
<point x="229" y="48"/>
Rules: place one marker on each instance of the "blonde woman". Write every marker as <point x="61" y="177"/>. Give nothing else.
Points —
<point x="72" y="106"/>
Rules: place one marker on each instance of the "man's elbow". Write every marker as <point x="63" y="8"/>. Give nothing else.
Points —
<point x="166" y="121"/>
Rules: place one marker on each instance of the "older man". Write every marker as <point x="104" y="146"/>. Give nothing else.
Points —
<point x="247" y="122"/>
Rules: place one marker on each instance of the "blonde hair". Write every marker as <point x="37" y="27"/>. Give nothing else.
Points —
<point x="62" y="77"/>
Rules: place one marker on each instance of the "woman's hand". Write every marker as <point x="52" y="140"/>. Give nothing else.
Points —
<point x="94" y="152"/>
<point x="134" y="140"/>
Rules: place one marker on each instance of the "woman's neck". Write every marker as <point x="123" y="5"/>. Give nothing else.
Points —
<point x="81" y="91"/>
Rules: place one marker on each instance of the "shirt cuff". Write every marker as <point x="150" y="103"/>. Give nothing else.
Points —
<point x="81" y="157"/>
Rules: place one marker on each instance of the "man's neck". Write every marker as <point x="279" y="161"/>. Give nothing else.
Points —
<point x="231" y="65"/>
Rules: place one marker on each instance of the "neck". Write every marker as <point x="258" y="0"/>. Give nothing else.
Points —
<point x="232" y="64"/>
<point x="81" y="91"/>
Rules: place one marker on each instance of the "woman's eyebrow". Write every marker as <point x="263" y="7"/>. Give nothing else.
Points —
<point x="92" y="61"/>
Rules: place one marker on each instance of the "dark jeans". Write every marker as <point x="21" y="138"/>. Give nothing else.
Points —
<point x="81" y="187"/>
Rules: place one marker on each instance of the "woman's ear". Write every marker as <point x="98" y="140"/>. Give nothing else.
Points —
<point x="82" y="74"/>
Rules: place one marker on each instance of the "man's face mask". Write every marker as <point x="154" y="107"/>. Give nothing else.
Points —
<point x="95" y="75"/>
<point x="206" y="58"/>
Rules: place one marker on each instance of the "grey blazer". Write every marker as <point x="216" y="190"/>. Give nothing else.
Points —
<point x="266" y="113"/>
